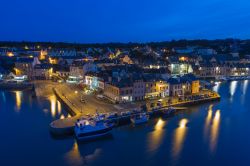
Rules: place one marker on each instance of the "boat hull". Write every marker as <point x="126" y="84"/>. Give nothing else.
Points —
<point x="94" y="134"/>
<point x="139" y="121"/>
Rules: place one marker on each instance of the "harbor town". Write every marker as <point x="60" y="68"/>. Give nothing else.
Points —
<point x="89" y="97"/>
<point x="116" y="83"/>
<point x="124" y="83"/>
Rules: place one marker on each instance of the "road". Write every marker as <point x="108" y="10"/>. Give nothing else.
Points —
<point x="91" y="104"/>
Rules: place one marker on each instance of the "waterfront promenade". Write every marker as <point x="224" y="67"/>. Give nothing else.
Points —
<point x="80" y="105"/>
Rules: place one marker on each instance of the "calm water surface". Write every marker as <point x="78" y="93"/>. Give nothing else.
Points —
<point x="210" y="134"/>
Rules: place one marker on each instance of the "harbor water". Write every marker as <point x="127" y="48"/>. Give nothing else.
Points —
<point x="215" y="133"/>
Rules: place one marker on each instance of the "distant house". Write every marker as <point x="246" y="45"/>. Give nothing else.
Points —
<point x="179" y="65"/>
<point x="24" y="66"/>
<point x="205" y="51"/>
<point x="155" y="87"/>
<point x="62" y="52"/>
<point x="184" y="85"/>
<point x="76" y="68"/>
<point x="126" y="60"/>
<point x="42" y="71"/>
<point x="183" y="50"/>
<point x="94" y="80"/>
<point x="62" y="71"/>
<point x="119" y="90"/>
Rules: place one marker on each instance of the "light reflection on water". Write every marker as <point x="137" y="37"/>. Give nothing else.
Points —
<point x="73" y="156"/>
<point x="18" y="100"/>
<point x="233" y="86"/>
<point x="52" y="100"/>
<point x="156" y="137"/>
<point x="208" y="121"/>
<point x="55" y="108"/>
<point x="76" y="158"/>
<point x="215" y="131"/>
<point x="59" y="107"/>
<point x="179" y="137"/>
<point x="3" y="96"/>
<point x="216" y="88"/>
<point x="245" y="84"/>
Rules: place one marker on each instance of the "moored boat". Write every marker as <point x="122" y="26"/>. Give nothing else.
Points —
<point x="139" y="118"/>
<point x="86" y="129"/>
<point x="168" y="111"/>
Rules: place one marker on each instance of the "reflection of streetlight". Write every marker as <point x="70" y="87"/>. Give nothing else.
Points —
<point x="183" y="123"/>
<point x="179" y="137"/>
<point x="215" y="130"/>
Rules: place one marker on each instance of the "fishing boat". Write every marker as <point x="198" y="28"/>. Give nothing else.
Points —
<point x="86" y="129"/>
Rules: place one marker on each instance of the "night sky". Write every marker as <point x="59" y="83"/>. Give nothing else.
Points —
<point x="89" y="21"/>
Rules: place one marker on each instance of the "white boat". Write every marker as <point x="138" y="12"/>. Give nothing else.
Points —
<point x="88" y="129"/>
<point x="139" y="118"/>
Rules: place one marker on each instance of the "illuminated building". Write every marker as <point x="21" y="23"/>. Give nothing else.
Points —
<point x="180" y="68"/>
<point x="180" y="86"/>
<point x="42" y="71"/>
<point x="155" y="87"/>
<point x="74" y="79"/>
<point x="24" y="66"/>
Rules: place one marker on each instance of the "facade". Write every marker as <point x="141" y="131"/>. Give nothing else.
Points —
<point x="185" y="85"/>
<point x="62" y="52"/>
<point x="94" y="81"/>
<point x="205" y="51"/>
<point x="138" y="90"/>
<point x="156" y="88"/>
<point x="162" y="87"/>
<point x="24" y="66"/>
<point x="215" y="71"/>
<point x="42" y="71"/>
<point x="180" y="68"/>
<point x="118" y="94"/>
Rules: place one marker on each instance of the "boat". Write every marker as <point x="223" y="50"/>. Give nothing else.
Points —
<point x="168" y="111"/>
<point x="126" y="113"/>
<point x="86" y="129"/>
<point x="139" y="118"/>
<point x="112" y="115"/>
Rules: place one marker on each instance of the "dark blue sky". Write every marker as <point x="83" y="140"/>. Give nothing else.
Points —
<point x="88" y="21"/>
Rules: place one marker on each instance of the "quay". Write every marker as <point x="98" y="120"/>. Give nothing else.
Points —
<point x="15" y="86"/>
<point x="70" y="97"/>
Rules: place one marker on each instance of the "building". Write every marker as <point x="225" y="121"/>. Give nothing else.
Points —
<point x="62" y="52"/>
<point x="183" y="85"/>
<point x="205" y="51"/>
<point x="42" y="71"/>
<point x="138" y="92"/>
<point x="24" y="66"/>
<point x="119" y="91"/>
<point x="76" y="68"/>
<point x="155" y="87"/>
<point x="176" y="87"/>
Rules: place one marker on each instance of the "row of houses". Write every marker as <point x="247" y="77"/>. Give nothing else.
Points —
<point x="137" y="86"/>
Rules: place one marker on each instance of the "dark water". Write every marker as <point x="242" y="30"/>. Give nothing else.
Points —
<point x="210" y="134"/>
